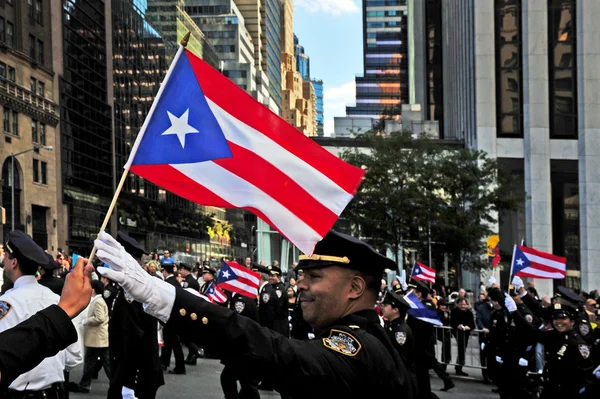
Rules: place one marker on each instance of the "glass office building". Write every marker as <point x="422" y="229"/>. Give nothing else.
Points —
<point x="318" y="85"/>
<point x="271" y="27"/>
<point x="383" y="87"/>
<point x="302" y="60"/>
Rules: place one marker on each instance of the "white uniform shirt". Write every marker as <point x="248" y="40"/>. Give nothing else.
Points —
<point x="17" y="305"/>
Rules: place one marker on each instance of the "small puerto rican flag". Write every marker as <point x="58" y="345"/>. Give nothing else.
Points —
<point x="424" y="273"/>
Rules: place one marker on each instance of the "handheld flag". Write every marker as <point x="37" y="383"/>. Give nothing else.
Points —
<point x="529" y="262"/>
<point x="422" y="272"/>
<point x="493" y="250"/>
<point x="419" y="311"/>
<point x="214" y="293"/>
<point x="237" y="278"/>
<point x="207" y="140"/>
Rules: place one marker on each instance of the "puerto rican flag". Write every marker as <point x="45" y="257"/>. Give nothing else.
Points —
<point x="419" y="311"/>
<point x="214" y="293"/>
<point x="529" y="262"/>
<point x="237" y="278"/>
<point x="424" y="273"/>
<point x="207" y="140"/>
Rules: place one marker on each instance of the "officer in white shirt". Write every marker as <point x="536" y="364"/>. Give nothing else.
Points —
<point x="21" y="261"/>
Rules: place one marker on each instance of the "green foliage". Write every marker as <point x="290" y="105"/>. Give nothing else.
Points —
<point x="415" y="191"/>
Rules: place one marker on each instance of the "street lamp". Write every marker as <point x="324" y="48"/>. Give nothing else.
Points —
<point x="12" y="183"/>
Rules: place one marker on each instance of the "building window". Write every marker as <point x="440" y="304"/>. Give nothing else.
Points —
<point x="36" y="171"/>
<point x="2" y="31"/>
<point x="6" y="119"/>
<point x="32" y="47"/>
<point x="435" y="80"/>
<point x="12" y="76"/>
<point x="562" y="68"/>
<point x="40" y="52"/>
<point x="34" y="131"/>
<point x="15" y="123"/>
<point x="42" y="134"/>
<point x="2" y="70"/>
<point x="44" y="173"/>
<point x="30" y="10"/>
<point x="10" y="34"/>
<point x="33" y="85"/>
<point x="509" y="72"/>
<point x="38" y="12"/>
<point x="41" y="88"/>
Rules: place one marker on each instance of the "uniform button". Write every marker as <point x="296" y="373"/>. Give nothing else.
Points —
<point x="194" y="317"/>
<point x="204" y="320"/>
<point x="182" y="312"/>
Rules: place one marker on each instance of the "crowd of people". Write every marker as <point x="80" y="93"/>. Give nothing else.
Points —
<point x="331" y="322"/>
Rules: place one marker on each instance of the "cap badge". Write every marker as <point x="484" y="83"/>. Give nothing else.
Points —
<point x="342" y="342"/>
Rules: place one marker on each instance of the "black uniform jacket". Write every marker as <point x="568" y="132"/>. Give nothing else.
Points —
<point x="55" y="284"/>
<point x="191" y="282"/>
<point x="28" y="343"/>
<point x="353" y="358"/>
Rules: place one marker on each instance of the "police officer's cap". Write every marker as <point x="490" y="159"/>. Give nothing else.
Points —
<point x="337" y="249"/>
<point x="561" y="311"/>
<point x="570" y="296"/>
<point x="420" y="286"/>
<point x="185" y="266"/>
<point x="391" y="298"/>
<point x="207" y="268"/>
<point x="260" y="268"/>
<point x="206" y="263"/>
<point x="27" y="252"/>
<point x="397" y="287"/>
<point x="132" y="247"/>
<point x="496" y="294"/>
<point x="274" y="270"/>
<point x="50" y="263"/>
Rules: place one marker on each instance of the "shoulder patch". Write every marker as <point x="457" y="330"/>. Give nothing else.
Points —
<point x="584" y="350"/>
<point x="239" y="306"/>
<point x="584" y="329"/>
<point x="265" y="297"/>
<point x="5" y="308"/>
<point x="342" y="342"/>
<point x="401" y="337"/>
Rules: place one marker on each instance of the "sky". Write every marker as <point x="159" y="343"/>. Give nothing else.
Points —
<point x="331" y="33"/>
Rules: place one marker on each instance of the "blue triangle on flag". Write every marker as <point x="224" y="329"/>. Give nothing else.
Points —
<point x="520" y="261"/>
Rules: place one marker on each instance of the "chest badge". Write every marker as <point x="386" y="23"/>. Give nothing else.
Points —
<point x="401" y="337"/>
<point x="584" y="350"/>
<point x="584" y="329"/>
<point x="562" y="350"/>
<point x="265" y="297"/>
<point x="342" y="342"/>
<point x="5" y="307"/>
<point x="240" y="306"/>
<point x="278" y="292"/>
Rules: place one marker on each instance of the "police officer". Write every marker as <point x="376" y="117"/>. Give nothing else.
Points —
<point x="280" y="317"/>
<point x="47" y="332"/>
<point x="425" y="341"/>
<point x="353" y="356"/>
<point x="110" y="292"/>
<point x="582" y="320"/>
<point x="208" y="275"/>
<point x="21" y="261"/>
<point x="569" y="367"/>
<point x="188" y="278"/>
<point x="47" y="278"/>
<point x="267" y="299"/>
<point x="394" y="310"/>
<point x="300" y="329"/>
<point x="136" y="365"/>
<point x="172" y="342"/>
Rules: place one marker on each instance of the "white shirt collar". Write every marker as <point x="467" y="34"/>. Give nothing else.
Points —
<point x="95" y="297"/>
<point x="262" y="285"/>
<point x="25" y="280"/>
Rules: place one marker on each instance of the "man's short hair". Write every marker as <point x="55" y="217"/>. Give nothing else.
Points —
<point x="98" y="287"/>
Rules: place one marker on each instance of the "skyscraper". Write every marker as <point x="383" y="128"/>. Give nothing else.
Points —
<point x="271" y="11"/>
<point x="318" y="86"/>
<point x="384" y="85"/>
<point x="302" y="60"/>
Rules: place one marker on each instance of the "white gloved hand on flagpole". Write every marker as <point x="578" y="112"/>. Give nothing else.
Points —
<point x="510" y="304"/>
<point x="157" y="296"/>
<point x="403" y="280"/>
<point x="518" y="283"/>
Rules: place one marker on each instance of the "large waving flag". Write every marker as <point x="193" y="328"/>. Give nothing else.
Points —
<point x="529" y="262"/>
<point x="419" y="311"/>
<point x="207" y="140"/>
<point x="214" y="293"/>
<point x="422" y="272"/>
<point x="237" y="278"/>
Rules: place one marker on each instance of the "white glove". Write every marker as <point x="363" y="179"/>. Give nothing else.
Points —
<point x="483" y="346"/>
<point x="311" y="336"/>
<point x="157" y="296"/>
<point x="597" y="372"/>
<point x="518" y="283"/>
<point x="491" y="281"/>
<point x="499" y="359"/>
<point x="523" y="362"/>
<point x="510" y="303"/>
<point x="128" y="393"/>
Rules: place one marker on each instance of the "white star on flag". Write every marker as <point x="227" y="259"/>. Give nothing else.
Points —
<point x="180" y="126"/>
<point x="226" y="274"/>
<point x="520" y="262"/>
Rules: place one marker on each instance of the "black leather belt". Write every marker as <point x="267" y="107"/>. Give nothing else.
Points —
<point x="54" y="392"/>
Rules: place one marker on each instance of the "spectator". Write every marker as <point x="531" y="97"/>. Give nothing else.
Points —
<point x="590" y="309"/>
<point x="382" y="290"/>
<point x="293" y="285"/>
<point x="95" y="339"/>
<point x="156" y="257"/>
<point x="444" y="335"/>
<point x="166" y="254"/>
<point x="461" y="320"/>
<point x="483" y="321"/>
<point x="482" y="288"/>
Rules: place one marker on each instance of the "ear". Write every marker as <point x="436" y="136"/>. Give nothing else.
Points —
<point x="357" y="287"/>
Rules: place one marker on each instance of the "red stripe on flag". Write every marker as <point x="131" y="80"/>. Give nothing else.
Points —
<point x="545" y="268"/>
<point x="242" y="106"/>
<point x="278" y="186"/>
<point x="547" y="255"/>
